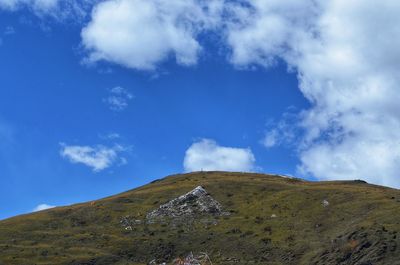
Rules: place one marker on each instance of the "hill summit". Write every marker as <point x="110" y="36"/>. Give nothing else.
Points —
<point x="218" y="218"/>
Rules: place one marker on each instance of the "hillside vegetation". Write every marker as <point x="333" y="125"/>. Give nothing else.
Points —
<point x="269" y="220"/>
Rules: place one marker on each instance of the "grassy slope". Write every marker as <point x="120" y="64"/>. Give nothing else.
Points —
<point x="359" y="225"/>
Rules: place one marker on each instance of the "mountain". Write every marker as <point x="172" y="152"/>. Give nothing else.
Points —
<point x="220" y="217"/>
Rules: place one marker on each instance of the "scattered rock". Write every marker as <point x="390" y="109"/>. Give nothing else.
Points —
<point x="128" y="222"/>
<point x="191" y="259"/>
<point x="273" y="215"/>
<point x="325" y="203"/>
<point x="360" y="246"/>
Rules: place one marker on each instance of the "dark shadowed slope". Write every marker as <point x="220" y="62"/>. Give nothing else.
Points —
<point x="241" y="218"/>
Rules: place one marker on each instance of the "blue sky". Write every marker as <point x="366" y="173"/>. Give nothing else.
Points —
<point x="90" y="106"/>
<point x="47" y="97"/>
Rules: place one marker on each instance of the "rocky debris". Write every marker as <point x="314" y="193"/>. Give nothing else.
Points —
<point x="325" y="203"/>
<point x="190" y="259"/>
<point x="153" y="262"/>
<point x="200" y="259"/>
<point x="360" y="247"/>
<point x="128" y="222"/>
<point x="194" y="203"/>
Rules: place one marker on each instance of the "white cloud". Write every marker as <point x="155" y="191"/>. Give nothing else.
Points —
<point x="42" y="207"/>
<point x="97" y="157"/>
<point x="347" y="58"/>
<point x="110" y="136"/>
<point x="261" y="30"/>
<point x="118" y="99"/>
<point x="207" y="155"/>
<point x="140" y="34"/>
<point x="282" y="133"/>
<point x="271" y="138"/>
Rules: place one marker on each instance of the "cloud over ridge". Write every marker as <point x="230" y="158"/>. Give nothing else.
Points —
<point x="207" y="155"/>
<point x="347" y="69"/>
<point x="347" y="60"/>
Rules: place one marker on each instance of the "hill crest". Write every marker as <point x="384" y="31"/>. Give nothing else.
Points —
<point x="272" y="220"/>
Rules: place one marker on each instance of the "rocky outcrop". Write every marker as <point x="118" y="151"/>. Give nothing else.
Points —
<point x="194" y="203"/>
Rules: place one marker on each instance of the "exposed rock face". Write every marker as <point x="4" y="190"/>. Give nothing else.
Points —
<point x="191" y="204"/>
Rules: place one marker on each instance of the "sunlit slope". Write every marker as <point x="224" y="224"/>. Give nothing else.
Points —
<point x="272" y="220"/>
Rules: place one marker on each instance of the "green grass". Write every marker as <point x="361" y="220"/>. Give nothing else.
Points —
<point x="359" y="225"/>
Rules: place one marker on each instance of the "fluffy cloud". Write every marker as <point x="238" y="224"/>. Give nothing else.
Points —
<point x="118" y="99"/>
<point x="347" y="61"/>
<point x="97" y="157"/>
<point x="262" y="30"/>
<point x="207" y="155"/>
<point x="140" y="34"/>
<point x="42" y="207"/>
